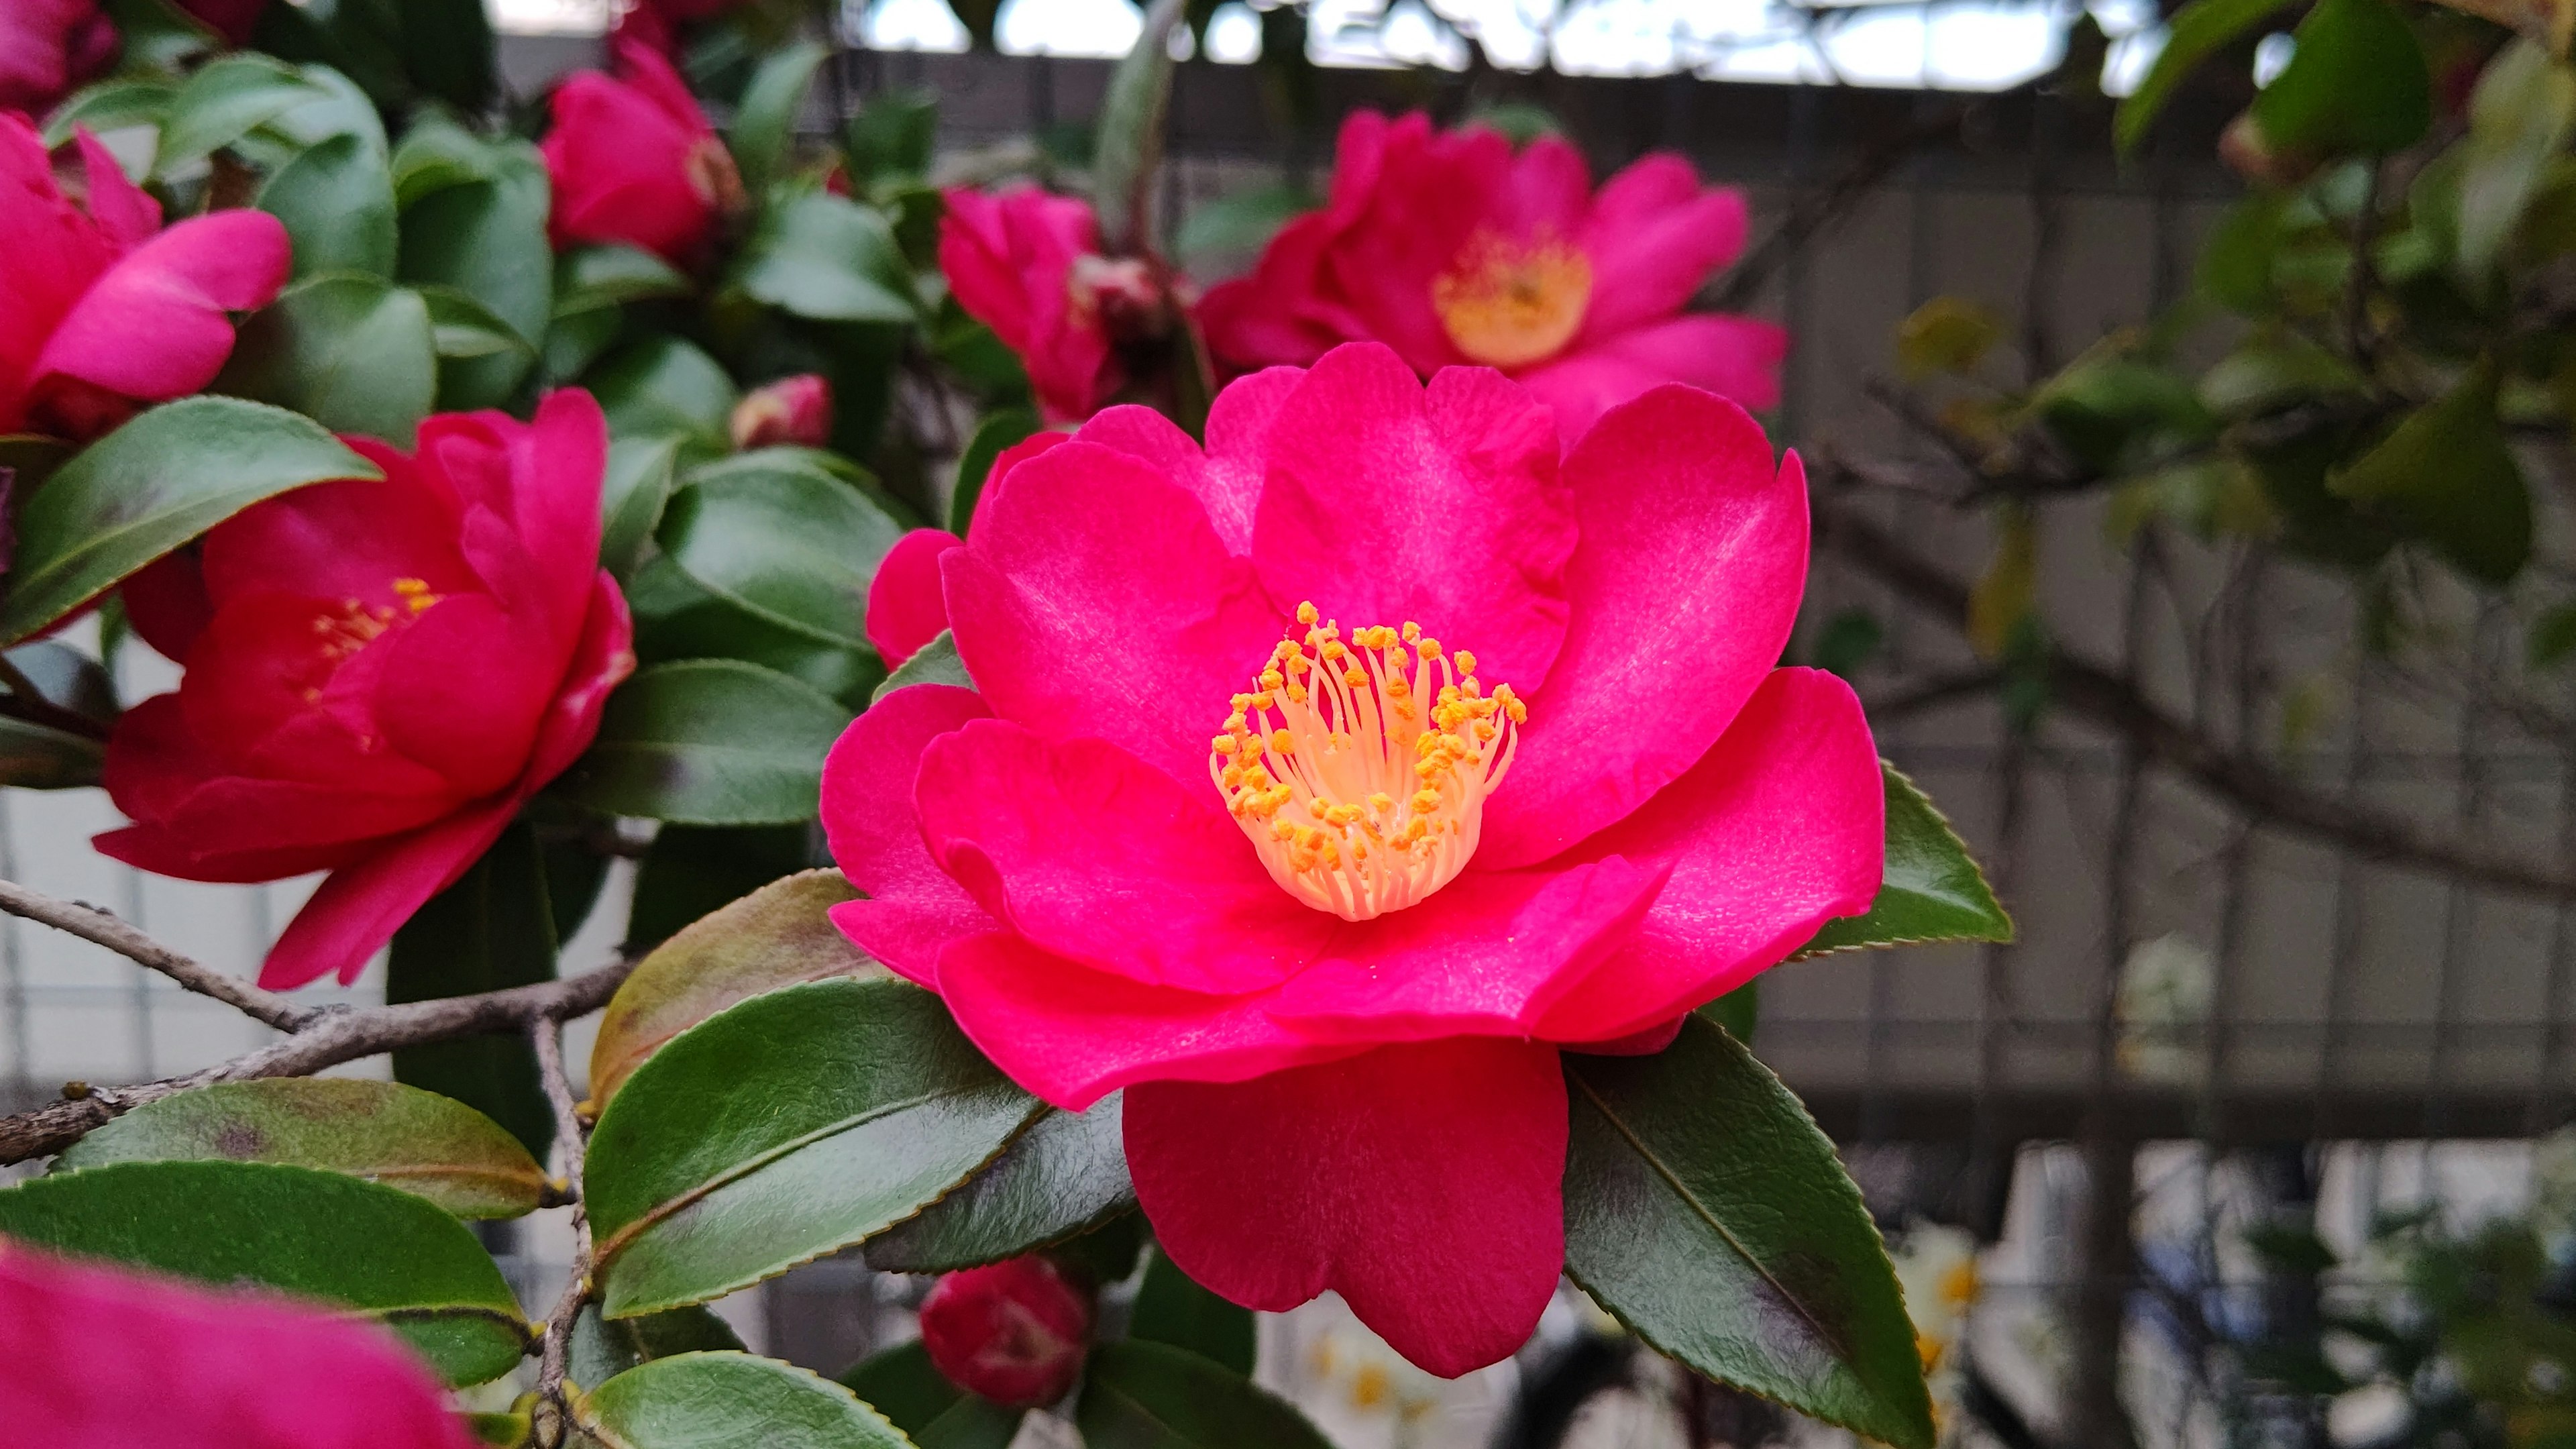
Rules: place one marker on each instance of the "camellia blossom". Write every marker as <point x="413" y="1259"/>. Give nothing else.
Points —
<point x="103" y="1356"/>
<point x="1319" y="787"/>
<point x="1454" y="250"/>
<point x="1015" y="1332"/>
<point x="1028" y="265"/>
<point x="49" y="46"/>
<point x="103" y="309"/>
<point x="634" y="161"/>
<point x="378" y="675"/>
<point x="793" y="410"/>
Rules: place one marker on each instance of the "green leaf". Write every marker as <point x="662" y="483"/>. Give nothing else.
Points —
<point x="2356" y="82"/>
<point x="677" y="618"/>
<point x="337" y="201"/>
<point x="299" y="1230"/>
<point x="730" y="1401"/>
<point x="1849" y="640"/>
<point x="338" y="108"/>
<point x="936" y="662"/>
<point x="664" y="387"/>
<point x="1172" y="1308"/>
<point x="632" y="496"/>
<point x="589" y="278"/>
<point x="779" y="935"/>
<point x="355" y="353"/>
<point x="1240" y="224"/>
<point x="890" y="138"/>
<point x="791" y="545"/>
<point x="1945" y="335"/>
<point x="225" y="101"/>
<point x="709" y="742"/>
<point x="2197" y="31"/>
<point x="447" y="46"/>
<point x="1001" y="430"/>
<point x="494" y="928"/>
<point x="166" y="476"/>
<point x="828" y="258"/>
<point x="437" y="153"/>
<point x="2519" y="120"/>
<point x="691" y="871"/>
<point x="1931" y="889"/>
<point x="1704" y="1209"/>
<point x="790" y="1126"/>
<point x="40" y="757"/>
<point x="934" y="1413"/>
<point x="603" y="1348"/>
<point x="2444" y="475"/>
<point x="461" y="327"/>
<point x="2552" y="637"/>
<point x="1154" y="1396"/>
<point x="486" y="238"/>
<point x="2235" y="266"/>
<point x="764" y="125"/>
<point x="423" y="1143"/>
<point x="113" y="105"/>
<point x="157" y="34"/>
<point x="1127" y="145"/>
<point x="1738" y="1011"/>
<point x="1064" y="1176"/>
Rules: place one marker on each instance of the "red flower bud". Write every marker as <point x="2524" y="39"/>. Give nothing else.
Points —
<point x="795" y="410"/>
<point x="1015" y="1332"/>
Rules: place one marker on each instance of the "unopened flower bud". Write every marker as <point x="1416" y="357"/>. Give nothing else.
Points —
<point x="793" y="410"/>
<point x="1122" y="292"/>
<point x="1015" y="1332"/>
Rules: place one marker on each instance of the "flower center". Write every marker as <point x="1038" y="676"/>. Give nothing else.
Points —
<point x="1510" y="303"/>
<point x="355" y="624"/>
<point x="1360" y="769"/>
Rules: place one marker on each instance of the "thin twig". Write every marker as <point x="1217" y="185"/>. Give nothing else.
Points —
<point x="553" y="1414"/>
<point x="100" y="928"/>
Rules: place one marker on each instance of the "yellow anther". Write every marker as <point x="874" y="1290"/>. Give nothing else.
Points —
<point x="1465" y="660"/>
<point x="1356" y="677"/>
<point x="1412" y="631"/>
<point x="1307" y="613"/>
<point x="1222" y="744"/>
<point x="1283" y="742"/>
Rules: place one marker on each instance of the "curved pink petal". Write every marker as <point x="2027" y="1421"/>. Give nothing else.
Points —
<point x="601" y="659"/>
<point x="165" y="852"/>
<point x="875" y="833"/>
<point x="347" y="540"/>
<point x="657" y="80"/>
<point x="1434" y="192"/>
<point x="124" y="211"/>
<point x="1779" y="829"/>
<point x="558" y="463"/>
<point x="1653" y="238"/>
<point x="1485" y="957"/>
<point x="1386" y="502"/>
<point x="1420" y="1181"/>
<point x="1239" y="424"/>
<point x="358" y="907"/>
<point x="1683" y="591"/>
<point x="1076" y="844"/>
<point x="1009" y="258"/>
<point x="462" y="695"/>
<point x="53" y="250"/>
<point x="619" y="160"/>
<point x="166" y="603"/>
<point x="154" y="325"/>
<point x="905" y="610"/>
<point x="1738" y="358"/>
<point x="1073" y="1035"/>
<point x="272" y="689"/>
<point x="1093" y="598"/>
<point x="1547" y="192"/>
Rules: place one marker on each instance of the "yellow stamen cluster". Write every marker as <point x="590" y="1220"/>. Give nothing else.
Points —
<point x="356" y="623"/>
<point x="1510" y="303"/>
<point x="1359" y="765"/>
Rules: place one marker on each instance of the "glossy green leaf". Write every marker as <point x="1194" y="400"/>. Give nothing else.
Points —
<point x="709" y="742"/>
<point x="1237" y="226"/>
<point x="1705" y="1210"/>
<point x="1930" y="890"/>
<point x="779" y="935"/>
<point x="461" y="327"/>
<point x="666" y="387"/>
<point x="610" y="276"/>
<point x="764" y="125"/>
<point x="425" y="1144"/>
<point x="678" y="618"/>
<point x="166" y="476"/>
<point x="2197" y="31"/>
<point x="791" y="545"/>
<point x="933" y="1413"/>
<point x="691" y="871"/>
<point x="158" y="34"/>
<point x="493" y="929"/>
<point x="790" y="1126"/>
<point x="2445" y="475"/>
<point x="1739" y="1011"/>
<point x="40" y="757"/>
<point x="891" y="136"/>
<point x="1172" y="1308"/>
<point x="2356" y="82"/>
<point x="2519" y="120"/>
<point x="1000" y="430"/>
<point x="437" y="153"/>
<point x="830" y="259"/>
<point x="1064" y="1176"/>
<point x="936" y="662"/>
<point x="339" y="107"/>
<point x="113" y="105"/>
<point x="637" y="485"/>
<point x="1154" y="1396"/>
<point x="300" y="1230"/>
<point x="353" y="352"/>
<point x="337" y="201"/>
<point x="222" y="102"/>
<point x="730" y="1401"/>
<point x="486" y="238"/>
<point x="603" y="1348"/>
<point x="1127" y="144"/>
<point x="1947" y="334"/>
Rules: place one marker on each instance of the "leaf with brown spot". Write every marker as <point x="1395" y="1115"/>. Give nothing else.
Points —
<point x="427" y="1145"/>
<point x="778" y="935"/>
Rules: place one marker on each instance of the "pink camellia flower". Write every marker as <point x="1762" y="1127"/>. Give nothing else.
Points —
<point x="380" y="675"/>
<point x="1028" y="265"/>
<point x="49" y="46"/>
<point x="1318" y="788"/>
<point x="232" y="19"/>
<point x="1015" y="1332"/>
<point x="101" y="308"/>
<point x="634" y="160"/>
<point x="1453" y="250"/>
<point x="795" y="410"/>
<point x="906" y="608"/>
<point x="105" y="1356"/>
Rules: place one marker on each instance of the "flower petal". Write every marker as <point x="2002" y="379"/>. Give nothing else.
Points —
<point x="1387" y="501"/>
<point x="1738" y="358"/>
<point x="905" y="610"/>
<point x="358" y="907"/>
<point x="1094" y="599"/>
<point x="154" y="326"/>
<point x="1683" y="591"/>
<point x="1078" y="845"/>
<point x="875" y="832"/>
<point x="461" y="696"/>
<point x="1780" y="828"/>
<point x="1654" y="236"/>
<point x="123" y="210"/>
<point x="601" y="659"/>
<point x="1420" y="1181"/>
